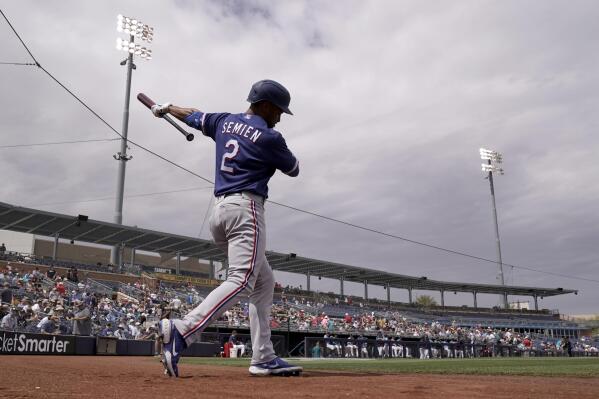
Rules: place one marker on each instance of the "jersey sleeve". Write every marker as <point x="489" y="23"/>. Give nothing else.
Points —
<point x="207" y="123"/>
<point x="282" y="158"/>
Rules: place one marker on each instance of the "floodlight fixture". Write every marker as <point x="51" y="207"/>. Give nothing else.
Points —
<point x="490" y="155"/>
<point x="134" y="27"/>
<point x="491" y="168"/>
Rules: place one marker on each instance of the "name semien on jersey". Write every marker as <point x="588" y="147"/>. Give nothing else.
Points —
<point x="241" y="129"/>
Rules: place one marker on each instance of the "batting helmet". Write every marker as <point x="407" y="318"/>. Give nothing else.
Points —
<point x="274" y="92"/>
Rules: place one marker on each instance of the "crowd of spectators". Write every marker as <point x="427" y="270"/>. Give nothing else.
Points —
<point x="51" y="303"/>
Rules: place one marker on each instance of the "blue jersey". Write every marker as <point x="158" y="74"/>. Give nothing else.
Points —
<point x="248" y="152"/>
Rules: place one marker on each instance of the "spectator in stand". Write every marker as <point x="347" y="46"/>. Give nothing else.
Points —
<point x="120" y="332"/>
<point x="2" y="249"/>
<point x="175" y="303"/>
<point x="81" y="319"/>
<point x="47" y="324"/>
<point x="9" y="321"/>
<point x="60" y="287"/>
<point x="51" y="273"/>
<point x="6" y="294"/>
<point x="134" y="329"/>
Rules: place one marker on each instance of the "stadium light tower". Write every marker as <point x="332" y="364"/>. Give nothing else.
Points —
<point x="134" y="28"/>
<point x="494" y="160"/>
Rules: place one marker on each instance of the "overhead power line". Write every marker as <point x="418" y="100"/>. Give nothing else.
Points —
<point x="54" y="143"/>
<point x="126" y="196"/>
<point x="18" y="63"/>
<point x="459" y="253"/>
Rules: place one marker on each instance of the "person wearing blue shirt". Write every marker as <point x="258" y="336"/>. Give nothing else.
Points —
<point x="248" y="153"/>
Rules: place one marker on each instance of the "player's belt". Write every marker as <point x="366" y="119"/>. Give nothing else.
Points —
<point x="243" y="194"/>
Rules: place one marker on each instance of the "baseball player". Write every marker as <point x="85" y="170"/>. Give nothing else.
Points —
<point x="248" y="152"/>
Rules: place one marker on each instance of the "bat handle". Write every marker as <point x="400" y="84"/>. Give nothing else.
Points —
<point x="188" y="136"/>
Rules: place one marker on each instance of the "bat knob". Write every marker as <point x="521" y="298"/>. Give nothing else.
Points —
<point x="190" y="137"/>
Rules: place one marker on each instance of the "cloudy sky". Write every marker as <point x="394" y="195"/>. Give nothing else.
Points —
<point x="392" y="100"/>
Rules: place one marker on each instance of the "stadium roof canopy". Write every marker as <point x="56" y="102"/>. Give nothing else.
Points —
<point x="81" y="228"/>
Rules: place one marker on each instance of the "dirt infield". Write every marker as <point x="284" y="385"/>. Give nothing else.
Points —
<point x="131" y="378"/>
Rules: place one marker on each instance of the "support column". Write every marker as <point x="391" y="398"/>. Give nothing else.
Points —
<point x="211" y="269"/>
<point x="226" y="268"/>
<point x="410" y="294"/>
<point x="55" y="248"/>
<point x="341" y="281"/>
<point x="389" y="294"/>
<point x="121" y="257"/>
<point x="365" y="290"/>
<point x="536" y="302"/>
<point x="132" y="258"/>
<point x="178" y="265"/>
<point x="475" y="304"/>
<point x="506" y="305"/>
<point x="442" y="298"/>
<point x="308" y="282"/>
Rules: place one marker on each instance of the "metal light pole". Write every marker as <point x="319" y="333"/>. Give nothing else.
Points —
<point x="493" y="159"/>
<point x="133" y="28"/>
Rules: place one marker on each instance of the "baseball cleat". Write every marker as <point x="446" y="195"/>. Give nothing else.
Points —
<point x="278" y="367"/>
<point x="172" y="346"/>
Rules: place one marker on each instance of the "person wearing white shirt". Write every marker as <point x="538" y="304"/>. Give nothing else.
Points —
<point x="9" y="321"/>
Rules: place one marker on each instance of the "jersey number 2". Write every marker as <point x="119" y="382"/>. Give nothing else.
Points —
<point x="229" y="155"/>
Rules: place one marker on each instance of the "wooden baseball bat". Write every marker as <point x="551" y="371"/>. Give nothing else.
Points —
<point x="147" y="101"/>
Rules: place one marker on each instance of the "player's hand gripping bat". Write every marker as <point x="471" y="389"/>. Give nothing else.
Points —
<point x="147" y="101"/>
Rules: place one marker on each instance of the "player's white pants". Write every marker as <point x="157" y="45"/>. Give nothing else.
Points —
<point x="364" y="352"/>
<point x="240" y="218"/>
<point x="459" y="353"/>
<point x="447" y="350"/>
<point x="424" y="353"/>
<point x="351" y="350"/>
<point x="240" y="347"/>
<point x="397" y="350"/>
<point x="332" y="349"/>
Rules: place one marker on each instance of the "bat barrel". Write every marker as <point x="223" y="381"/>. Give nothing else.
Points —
<point x="145" y="100"/>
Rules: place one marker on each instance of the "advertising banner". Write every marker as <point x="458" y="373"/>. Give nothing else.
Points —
<point x="18" y="343"/>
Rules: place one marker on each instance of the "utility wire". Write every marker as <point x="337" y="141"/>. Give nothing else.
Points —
<point x="451" y="251"/>
<point x="126" y="196"/>
<point x="283" y="205"/>
<point x="19" y="37"/>
<point x="54" y="143"/>
<point x="18" y="63"/>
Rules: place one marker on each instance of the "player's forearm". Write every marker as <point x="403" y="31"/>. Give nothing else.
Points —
<point x="180" y="112"/>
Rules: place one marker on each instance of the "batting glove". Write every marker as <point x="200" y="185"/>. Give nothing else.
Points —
<point x="160" y="109"/>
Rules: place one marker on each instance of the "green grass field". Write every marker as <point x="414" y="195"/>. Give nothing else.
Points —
<point x="573" y="367"/>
